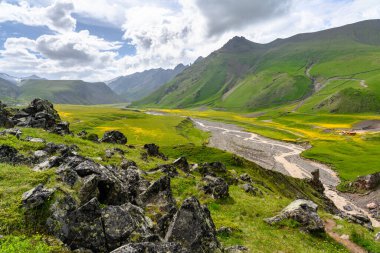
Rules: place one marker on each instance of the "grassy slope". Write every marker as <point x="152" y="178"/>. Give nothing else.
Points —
<point x="242" y="211"/>
<point x="68" y="92"/>
<point x="275" y="74"/>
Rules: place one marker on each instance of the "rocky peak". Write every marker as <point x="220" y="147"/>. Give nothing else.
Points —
<point x="238" y="44"/>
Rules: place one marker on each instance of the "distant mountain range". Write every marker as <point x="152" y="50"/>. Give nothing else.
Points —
<point x="335" y="70"/>
<point x="139" y="85"/>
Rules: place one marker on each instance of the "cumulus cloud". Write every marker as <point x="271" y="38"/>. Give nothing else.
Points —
<point x="57" y="16"/>
<point x="225" y="15"/>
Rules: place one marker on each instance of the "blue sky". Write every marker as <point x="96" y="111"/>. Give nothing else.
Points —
<point x="97" y="40"/>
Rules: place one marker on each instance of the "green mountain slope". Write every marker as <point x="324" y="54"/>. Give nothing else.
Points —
<point x="139" y="85"/>
<point x="306" y="69"/>
<point x="8" y="90"/>
<point x="68" y="92"/>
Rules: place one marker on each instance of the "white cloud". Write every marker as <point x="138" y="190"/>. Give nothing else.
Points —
<point x="57" y="16"/>
<point x="164" y="32"/>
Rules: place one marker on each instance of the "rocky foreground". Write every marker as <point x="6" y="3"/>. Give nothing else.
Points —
<point x="97" y="208"/>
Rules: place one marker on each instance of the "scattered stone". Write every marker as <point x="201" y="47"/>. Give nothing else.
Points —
<point x="154" y="150"/>
<point x="193" y="228"/>
<point x="347" y="208"/>
<point x="35" y="140"/>
<point x="226" y="231"/>
<point x="36" y="196"/>
<point x="39" y="154"/>
<point x="89" y="188"/>
<point x="12" y="131"/>
<point x="246" y="178"/>
<point x="125" y="164"/>
<point x="236" y="249"/>
<point x="216" y="186"/>
<point x="164" y="247"/>
<point x="360" y="219"/>
<point x="304" y="212"/>
<point x="182" y="164"/>
<point x="51" y="162"/>
<point x="248" y="188"/>
<point x="67" y="176"/>
<point x="82" y="134"/>
<point x="93" y="137"/>
<point x="372" y="205"/>
<point x="109" y="153"/>
<point x="168" y="169"/>
<point x="212" y="169"/>
<point x="114" y="137"/>
<point x="345" y="237"/>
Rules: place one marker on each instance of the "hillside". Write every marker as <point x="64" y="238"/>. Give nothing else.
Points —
<point x="139" y="85"/>
<point x="68" y="92"/>
<point x="8" y="90"/>
<point x="307" y="70"/>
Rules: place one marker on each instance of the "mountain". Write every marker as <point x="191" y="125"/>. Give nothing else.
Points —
<point x="8" y="90"/>
<point x="324" y="71"/>
<point x="10" y="78"/>
<point x="139" y="85"/>
<point x="68" y="92"/>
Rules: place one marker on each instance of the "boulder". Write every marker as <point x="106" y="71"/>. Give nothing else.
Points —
<point x="9" y="154"/>
<point x="114" y="137"/>
<point x="369" y="182"/>
<point x="89" y="188"/>
<point x="304" y="212"/>
<point x="5" y="117"/>
<point x="315" y="181"/>
<point x="377" y="237"/>
<point x="360" y="219"/>
<point x="39" y="114"/>
<point x="36" y="196"/>
<point x="193" y="228"/>
<point x="12" y="131"/>
<point x="372" y="205"/>
<point x="182" y="164"/>
<point x="236" y="249"/>
<point x="35" y="140"/>
<point x="149" y="247"/>
<point x="61" y="128"/>
<point x="40" y="154"/>
<point x="216" y="187"/>
<point x="125" y="164"/>
<point x="154" y="150"/>
<point x="49" y="163"/>
<point x="168" y="169"/>
<point x="248" y="188"/>
<point x="212" y="169"/>
<point x="125" y="223"/>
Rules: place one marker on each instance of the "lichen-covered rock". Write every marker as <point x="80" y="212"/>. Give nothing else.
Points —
<point x="36" y="196"/>
<point x="369" y="182"/>
<point x="51" y="162"/>
<point x="212" y="169"/>
<point x="154" y="150"/>
<point x="89" y="188"/>
<point x="149" y="247"/>
<point x="182" y="164"/>
<point x="114" y="137"/>
<point x="193" y="228"/>
<point x="61" y="128"/>
<point x="125" y="223"/>
<point x="246" y="178"/>
<point x="216" y="187"/>
<point x="304" y="212"/>
<point x="12" y="131"/>
<point x="9" y="154"/>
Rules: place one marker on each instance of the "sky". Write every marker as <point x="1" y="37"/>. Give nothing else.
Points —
<point x="97" y="40"/>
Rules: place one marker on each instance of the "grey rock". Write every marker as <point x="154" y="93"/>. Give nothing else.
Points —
<point x="61" y="128"/>
<point x="212" y="169"/>
<point x="216" y="186"/>
<point x="5" y="117"/>
<point x="193" y="228"/>
<point x="236" y="249"/>
<point x="149" y="247"/>
<point x="89" y="188"/>
<point x="302" y="211"/>
<point x="36" y="196"/>
<point x="123" y="222"/>
<point x="159" y="194"/>
<point x="12" y="131"/>
<point x="40" y="154"/>
<point x="9" y="154"/>
<point x="347" y="208"/>
<point x="249" y="188"/>
<point x="246" y="178"/>
<point x="377" y="237"/>
<point x="115" y="137"/>
<point x="182" y="164"/>
<point x="49" y="163"/>
<point x="369" y="182"/>
<point x="154" y="150"/>
<point x="35" y="140"/>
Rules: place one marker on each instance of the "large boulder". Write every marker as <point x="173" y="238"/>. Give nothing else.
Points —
<point x="39" y="114"/>
<point x="36" y="196"/>
<point x="154" y="150"/>
<point x="150" y="247"/>
<point x="212" y="169"/>
<point x="193" y="228"/>
<point x="302" y="211"/>
<point x="182" y="164"/>
<point x="114" y="137"/>
<point x="216" y="187"/>
<point x="125" y="223"/>
<point x="5" y="117"/>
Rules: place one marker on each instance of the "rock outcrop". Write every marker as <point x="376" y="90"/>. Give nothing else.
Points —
<point x="5" y="116"/>
<point x="369" y="182"/>
<point x="36" y="196"/>
<point x="114" y="137"/>
<point x="154" y="150"/>
<point x="302" y="211"/>
<point x="216" y="187"/>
